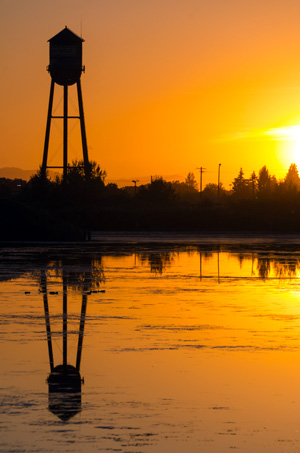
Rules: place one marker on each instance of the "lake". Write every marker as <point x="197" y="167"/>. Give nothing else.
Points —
<point x="160" y="344"/>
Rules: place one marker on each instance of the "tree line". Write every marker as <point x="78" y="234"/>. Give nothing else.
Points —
<point x="66" y="209"/>
<point x="78" y="187"/>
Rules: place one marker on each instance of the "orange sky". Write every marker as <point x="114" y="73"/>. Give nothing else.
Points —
<point x="169" y="85"/>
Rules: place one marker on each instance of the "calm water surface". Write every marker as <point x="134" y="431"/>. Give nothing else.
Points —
<point x="181" y="348"/>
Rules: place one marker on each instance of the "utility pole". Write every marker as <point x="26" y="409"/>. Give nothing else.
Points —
<point x="219" y="170"/>
<point x="135" y="181"/>
<point x="201" y="170"/>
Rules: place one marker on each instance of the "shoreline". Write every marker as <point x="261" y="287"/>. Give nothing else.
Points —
<point x="210" y="241"/>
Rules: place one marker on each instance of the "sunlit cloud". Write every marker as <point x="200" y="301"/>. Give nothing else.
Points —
<point x="288" y="133"/>
<point x="247" y="134"/>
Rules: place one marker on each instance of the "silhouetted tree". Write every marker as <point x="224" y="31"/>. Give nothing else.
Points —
<point x="40" y="186"/>
<point x="186" y="193"/>
<point x="112" y="188"/>
<point x="76" y="172"/>
<point x="211" y="191"/>
<point x="239" y="182"/>
<point x="253" y="183"/>
<point x="292" y="179"/>
<point x="190" y="181"/>
<point x="243" y="188"/>
<point x="158" y="192"/>
<point x="239" y="185"/>
<point x="266" y="184"/>
<point x="81" y="187"/>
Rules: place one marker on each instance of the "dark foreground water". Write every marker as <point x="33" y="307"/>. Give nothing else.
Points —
<point x="181" y="347"/>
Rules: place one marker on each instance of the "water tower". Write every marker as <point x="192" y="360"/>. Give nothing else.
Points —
<point x="65" y="69"/>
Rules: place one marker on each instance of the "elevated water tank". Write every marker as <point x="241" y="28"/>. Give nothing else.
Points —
<point x="65" y="57"/>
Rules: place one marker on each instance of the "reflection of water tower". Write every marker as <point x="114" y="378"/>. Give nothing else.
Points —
<point x="64" y="380"/>
<point x="65" y="69"/>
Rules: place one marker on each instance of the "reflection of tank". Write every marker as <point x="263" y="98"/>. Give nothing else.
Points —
<point x="64" y="380"/>
<point x="64" y="391"/>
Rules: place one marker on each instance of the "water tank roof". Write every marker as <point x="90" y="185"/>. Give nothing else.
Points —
<point x="65" y="35"/>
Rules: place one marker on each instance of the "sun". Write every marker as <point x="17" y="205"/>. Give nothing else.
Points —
<point x="288" y="139"/>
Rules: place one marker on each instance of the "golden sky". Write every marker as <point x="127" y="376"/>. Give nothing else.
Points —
<point x="170" y="85"/>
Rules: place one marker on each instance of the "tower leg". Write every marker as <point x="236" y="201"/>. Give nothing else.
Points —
<point x="65" y="323"/>
<point x="47" y="319"/>
<point x="81" y="331"/>
<point x="65" y="171"/>
<point x="83" y="133"/>
<point x="46" y="145"/>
